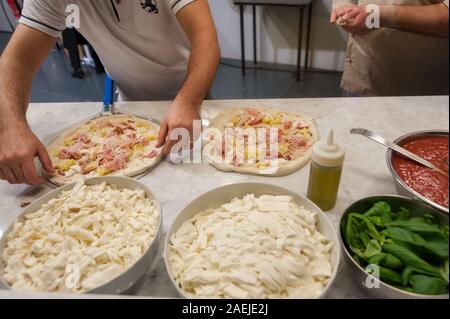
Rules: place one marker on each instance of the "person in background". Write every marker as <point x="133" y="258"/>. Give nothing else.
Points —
<point x="407" y="55"/>
<point x="153" y="50"/>
<point x="71" y="40"/>
<point x="16" y="7"/>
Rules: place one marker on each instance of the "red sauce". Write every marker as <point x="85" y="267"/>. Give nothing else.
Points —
<point x="423" y="180"/>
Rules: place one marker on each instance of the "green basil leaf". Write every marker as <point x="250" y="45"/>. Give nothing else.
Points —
<point x="373" y="248"/>
<point x="419" y="226"/>
<point x="370" y="226"/>
<point x="406" y="273"/>
<point x="410" y="259"/>
<point x="428" y="285"/>
<point x="377" y="259"/>
<point x="378" y="209"/>
<point x="416" y="243"/>
<point x="389" y="276"/>
<point x="390" y="261"/>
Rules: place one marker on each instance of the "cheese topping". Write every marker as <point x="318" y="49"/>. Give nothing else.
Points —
<point x="255" y="247"/>
<point x="249" y="138"/>
<point x="106" y="146"/>
<point x="80" y="240"/>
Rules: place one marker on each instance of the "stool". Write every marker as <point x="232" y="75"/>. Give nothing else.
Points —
<point x="300" y="4"/>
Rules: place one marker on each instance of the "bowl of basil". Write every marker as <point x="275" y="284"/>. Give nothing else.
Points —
<point x="398" y="247"/>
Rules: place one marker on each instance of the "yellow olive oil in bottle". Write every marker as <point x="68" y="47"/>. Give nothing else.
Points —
<point x="327" y="161"/>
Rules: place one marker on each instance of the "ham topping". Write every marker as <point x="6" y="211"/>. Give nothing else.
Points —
<point x="82" y="142"/>
<point x="250" y="117"/>
<point x="112" y="154"/>
<point x="113" y="159"/>
<point x="152" y="154"/>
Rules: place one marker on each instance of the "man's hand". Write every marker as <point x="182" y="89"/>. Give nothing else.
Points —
<point x="196" y="21"/>
<point x="353" y="19"/>
<point x="21" y="59"/>
<point x="18" y="148"/>
<point x="180" y="115"/>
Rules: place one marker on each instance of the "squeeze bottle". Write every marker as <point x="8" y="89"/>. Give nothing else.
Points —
<point x="327" y="161"/>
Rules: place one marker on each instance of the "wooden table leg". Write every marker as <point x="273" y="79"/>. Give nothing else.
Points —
<point x="300" y="39"/>
<point x="241" y="7"/>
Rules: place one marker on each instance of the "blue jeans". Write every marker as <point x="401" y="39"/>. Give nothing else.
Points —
<point x="351" y="94"/>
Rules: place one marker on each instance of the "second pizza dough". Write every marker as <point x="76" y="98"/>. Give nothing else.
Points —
<point x="294" y="131"/>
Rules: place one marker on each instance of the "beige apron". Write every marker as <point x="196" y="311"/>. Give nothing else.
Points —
<point x="392" y="62"/>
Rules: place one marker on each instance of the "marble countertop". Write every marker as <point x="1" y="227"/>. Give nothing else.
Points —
<point x="365" y="171"/>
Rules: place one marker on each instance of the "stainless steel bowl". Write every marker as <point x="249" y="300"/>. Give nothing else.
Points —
<point x="401" y="187"/>
<point x="417" y="208"/>
<point x="225" y="194"/>
<point x="128" y="278"/>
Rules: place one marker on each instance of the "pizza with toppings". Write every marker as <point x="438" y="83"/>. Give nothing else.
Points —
<point x="277" y="144"/>
<point x="119" y="145"/>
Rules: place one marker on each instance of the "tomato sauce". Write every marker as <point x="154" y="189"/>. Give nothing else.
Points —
<point x="430" y="184"/>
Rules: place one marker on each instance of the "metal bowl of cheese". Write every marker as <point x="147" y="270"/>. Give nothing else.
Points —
<point x="225" y="273"/>
<point x="119" y="267"/>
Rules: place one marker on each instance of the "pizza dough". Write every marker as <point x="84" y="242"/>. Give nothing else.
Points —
<point x="118" y="145"/>
<point x="297" y="134"/>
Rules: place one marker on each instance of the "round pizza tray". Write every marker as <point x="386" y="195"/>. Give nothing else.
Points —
<point x="50" y="139"/>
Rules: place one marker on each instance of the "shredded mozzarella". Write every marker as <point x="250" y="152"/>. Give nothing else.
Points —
<point x="80" y="240"/>
<point x="255" y="247"/>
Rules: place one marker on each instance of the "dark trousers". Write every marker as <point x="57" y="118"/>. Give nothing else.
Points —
<point x="71" y="39"/>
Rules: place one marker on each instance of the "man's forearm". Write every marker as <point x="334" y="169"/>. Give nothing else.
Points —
<point x="203" y="62"/>
<point x="18" y="64"/>
<point x="15" y="87"/>
<point x="427" y="19"/>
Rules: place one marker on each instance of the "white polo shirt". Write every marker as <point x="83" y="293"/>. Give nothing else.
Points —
<point x="140" y="42"/>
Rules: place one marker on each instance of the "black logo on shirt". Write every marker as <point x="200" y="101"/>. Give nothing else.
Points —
<point x="151" y="6"/>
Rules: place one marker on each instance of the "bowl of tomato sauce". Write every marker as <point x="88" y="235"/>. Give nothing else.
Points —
<point x="415" y="180"/>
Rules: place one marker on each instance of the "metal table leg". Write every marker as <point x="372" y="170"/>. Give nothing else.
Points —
<point x="241" y="7"/>
<point x="308" y="34"/>
<point x="300" y="39"/>
<point x="255" y="44"/>
<point x="255" y="49"/>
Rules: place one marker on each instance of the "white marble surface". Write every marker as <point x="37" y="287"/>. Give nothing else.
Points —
<point x="365" y="171"/>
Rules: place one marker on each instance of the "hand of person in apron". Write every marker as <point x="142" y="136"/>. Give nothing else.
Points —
<point x="353" y="19"/>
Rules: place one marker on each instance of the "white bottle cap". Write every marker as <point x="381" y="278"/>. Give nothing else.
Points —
<point x="327" y="153"/>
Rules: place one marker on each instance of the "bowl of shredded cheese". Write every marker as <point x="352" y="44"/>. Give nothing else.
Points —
<point x="95" y="236"/>
<point x="252" y="241"/>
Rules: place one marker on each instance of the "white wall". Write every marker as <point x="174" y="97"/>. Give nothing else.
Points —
<point x="277" y="34"/>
